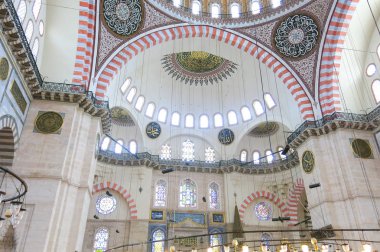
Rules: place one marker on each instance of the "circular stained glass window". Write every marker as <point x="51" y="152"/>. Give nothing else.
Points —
<point x="263" y="211"/>
<point x="105" y="204"/>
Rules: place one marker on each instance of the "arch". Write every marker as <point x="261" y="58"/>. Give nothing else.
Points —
<point x="328" y="84"/>
<point x="263" y="194"/>
<point x="85" y="42"/>
<point x="123" y="192"/>
<point x="293" y="200"/>
<point x="138" y="45"/>
<point x="8" y="140"/>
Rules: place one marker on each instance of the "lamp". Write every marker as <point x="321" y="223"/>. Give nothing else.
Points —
<point x="172" y="248"/>
<point x="16" y="206"/>
<point x="209" y="249"/>
<point x="167" y="170"/>
<point x="346" y="247"/>
<point x="245" y="248"/>
<point x="235" y="242"/>
<point x="226" y="248"/>
<point x="108" y="193"/>
<point x="367" y="247"/>
<point x="314" y="185"/>
<point x="305" y="248"/>
<point x="285" y="150"/>
<point x="264" y="247"/>
<point x="325" y="248"/>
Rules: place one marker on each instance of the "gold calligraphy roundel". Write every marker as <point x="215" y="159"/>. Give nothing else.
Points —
<point x="49" y="122"/>
<point x="308" y="161"/>
<point x="153" y="130"/>
<point x="4" y="68"/>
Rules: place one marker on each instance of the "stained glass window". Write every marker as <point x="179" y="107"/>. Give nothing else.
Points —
<point x="166" y="152"/>
<point x="255" y="7"/>
<point x="159" y="246"/>
<point x="256" y="157"/>
<point x="269" y="155"/>
<point x="215" y="10"/>
<point x="160" y="199"/>
<point x="263" y="211"/>
<point x="188" y="194"/>
<point x="188" y="150"/>
<point x="210" y="155"/>
<point x="101" y="239"/>
<point x="21" y="10"/>
<point x="196" y="8"/>
<point x="215" y="240"/>
<point x="214" y="196"/>
<point x="105" y="204"/>
<point x="105" y="143"/>
<point x="265" y="239"/>
<point x="243" y="156"/>
<point x="133" y="147"/>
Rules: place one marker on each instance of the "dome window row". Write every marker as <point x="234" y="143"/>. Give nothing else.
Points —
<point x="189" y="122"/>
<point x="118" y="147"/>
<point x="372" y="72"/>
<point x="187" y="153"/>
<point x="234" y="8"/>
<point x="256" y="156"/>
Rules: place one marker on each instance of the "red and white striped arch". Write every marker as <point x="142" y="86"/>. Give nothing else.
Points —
<point x="123" y="192"/>
<point x="329" y="96"/>
<point x="133" y="48"/>
<point x="293" y="201"/>
<point x="263" y="194"/>
<point x="85" y="42"/>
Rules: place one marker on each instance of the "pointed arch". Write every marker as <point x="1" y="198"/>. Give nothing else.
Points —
<point x="9" y="137"/>
<point x="139" y="44"/>
<point x="123" y="192"/>
<point x="263" y="194"/>
<point x="294" y="196"/>
<point x="328" y="84"/>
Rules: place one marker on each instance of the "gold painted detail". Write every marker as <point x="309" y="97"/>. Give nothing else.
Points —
<point x="18" y="96"/>
<point x="48" y="122"/>
<point x="4" y="68"/>
<point x="198" y="61"/>
<point x="308" y="161"/>
<point x="361" y="148"/>
<point x="120" y="116"/>
<point x="188" y="242"/>
<point x="264" y="129"/>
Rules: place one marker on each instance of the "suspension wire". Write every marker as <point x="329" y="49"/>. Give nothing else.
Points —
<point x="373" y="16"/>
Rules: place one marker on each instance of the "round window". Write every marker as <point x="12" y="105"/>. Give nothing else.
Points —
<point x="105" y="204"/>
<point x="371" y="69"/>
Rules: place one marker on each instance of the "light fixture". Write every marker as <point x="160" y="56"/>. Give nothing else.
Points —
<point x="245" y="248"/>
<point x="172" y="248"/>
<point x="295" y="250"/>
<point x="96" y="217"/>
<point x="194" y="250"/>
<point x="346" y="247"/>
<point x="337" y="250"/>
<point x="264" y="247"/>
<point x="2" y="220"/>
<point x="8" y="213"/>
<point x="305" y="248"/>
<point x="235" y="242"/>
<point x="226" y="248"/>
<point x="285" y="150"/>
<point x="367" y="247"/>
<point x="209" y="249"/>
<point x="164" y="171"/>
<point x="314" y="185"/>
<point x="204" y="199"/>
<point x="108" y="193"/>
<point x="325" y="248"/>
<point x="16" y="206"/>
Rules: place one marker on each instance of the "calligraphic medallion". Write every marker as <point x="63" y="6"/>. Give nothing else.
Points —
<point x="226" y="136"/>
<point x="308" y="161"/>
<point x="361" y="148"/>
<point x="49" y="122"/>
<point x="4" y="68"/>
<point x="153" y="130"/>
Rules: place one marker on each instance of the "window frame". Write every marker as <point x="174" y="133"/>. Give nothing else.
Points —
<point x="148" y="107"/>
<point x="258" y="4"/>
<point x="207" y="122"/>
<point x="267" y="156"/>
<point x="375" y="96"/>
<point x="186" y="120"/>
<point x="130" y="100"/>
<point x="222" y="120"/>
<point x="195" y="194"/>
<point x="271" y="100"/>
<point x="129" y="146"/>
<point x="119" y="144"/>
<point x="233" y="14"/>
<point x="256" y="161"/>
<point x="254" y="108"/>
<point x="166" y="115"/>
<point x="196" y="2"/>
<point x="125" y="84"/>
<point x="140" y="107"/>
<point x="108" y="144"/>
<point x="242" y="114"/>
<point x="228" y="117"/>
<point x="179" y="119"/>
<point x="246" y="156"/>
<point x="165" y="193"/>
<point x="215" y="15"/>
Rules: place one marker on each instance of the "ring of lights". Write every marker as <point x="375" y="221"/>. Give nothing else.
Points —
<point x="296" y="36"/>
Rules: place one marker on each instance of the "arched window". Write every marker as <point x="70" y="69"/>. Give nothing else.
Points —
<point x="280" y="149"/>
<point x="166" y="152"/>
<point x="232" y="118"/>
<point x="269" y="101"/>
<point x="259" y="110"/>
<point x="243" y="156"/>
<point x="101" y="239"/>
<point x="269" y="155"/>
<point x="189" y="121"/>
<point x="177" y="3"/>
<point x="133" y="147"/>
<point x="245" y="114"/>
<point x="215" y="10"/>
<point x="235" y="10"/>
<point x="265" y="239"/>
<point x="378" y="51"/>
<point x="175" y="119"/>
<point x="188" y="150"/>
<point x="162" y="114"/>
<point x="196" y="7"/>
<point x="140" y="103"/>
<point x="161" y="191"/>
<point x="150" y="110"/>
<point x="125" y="85"/>
<point x="210" y="155"/>
<point x="214" y="197"/>
<point x="218" y="120"/>
<point x="131" y="94"/>
<point x="158" y="245"/>
<point x="371" y="70"/>
<point x="203" y="122"/>
<point x="276" y="3"/>
<point x="188" y="194"/>
<point x="376" y="90"/>
<point x="35" y="48"/>
<point x="41" y="28"/>
<point x="21" y="11"/>
<point x="105" y="143"/>
<point x="256" y="157"/>
<point x="29" y="30"/>
<point x="37" y="8"/>
<point x="119" y="146"/>
<point x="255" y="7"/>
<point x="216" y="240"/>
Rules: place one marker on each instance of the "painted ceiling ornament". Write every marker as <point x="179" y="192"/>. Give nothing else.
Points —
<point x="120" y="116"/>
<point x="153" y="130"/>
<point x="263" y="129"/>
<point x="48" y="122"/>
<point x="124" y="17"/>
<point x="296" y="36"/>
<point x="226" y="136"/>
<point x="198" y="67"/>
